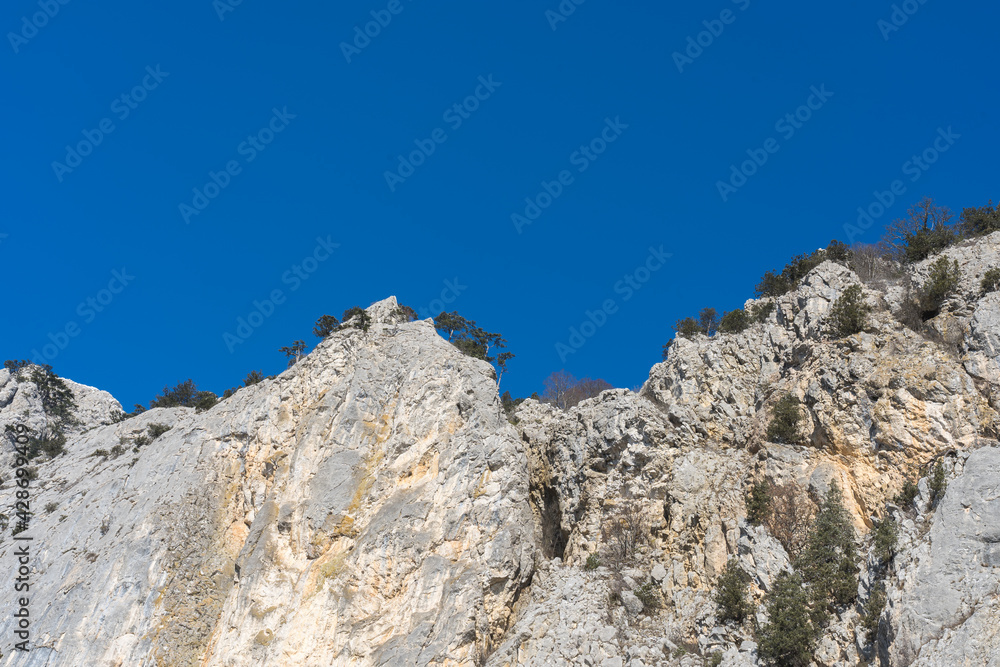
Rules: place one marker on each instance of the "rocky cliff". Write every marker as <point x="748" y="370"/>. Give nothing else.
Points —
<point x="374" y="505"/>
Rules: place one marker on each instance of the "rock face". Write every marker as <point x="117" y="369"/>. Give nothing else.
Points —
<point x="373" y="505"/>
<point x="368" y="506"/>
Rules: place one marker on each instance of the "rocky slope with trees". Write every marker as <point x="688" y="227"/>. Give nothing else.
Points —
<point x="811" y="479"/>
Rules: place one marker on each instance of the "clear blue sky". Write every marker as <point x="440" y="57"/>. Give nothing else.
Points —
<point x="212" y="83"/>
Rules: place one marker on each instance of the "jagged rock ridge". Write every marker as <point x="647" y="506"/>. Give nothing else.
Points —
<point x="373" y="505"/>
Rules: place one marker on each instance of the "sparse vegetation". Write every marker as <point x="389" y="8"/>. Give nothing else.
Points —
<point x="51" y="507"/>
<point x="731" y="594"/>
<point x="404" y="313"/>
<point x="849" y="314"/>
<point x="980" y="221"/>
<point x="624" y="531"/>
<point x="649" y="595"/>
<point x="294" y="352"/>
<point x="734" y="321"/>
<point x="361" y="319"/>
<point x="789" y="637"/>
<point x="186" y="395"/>
<point x="991" y="280"/>
<point x="156" y="430"/>
<point x="828" y="562"/>
<point x="941" y="283"/>
<point x="474" y="341"/>
<point x="593" y="561"/>
<point x="885" y="536"/>
<point x="785" y="419"/>
<point x="907" y="494"/>
<point x="790" y="517"/>
<point x="937" y="484"/>
<point x="758" y="503"/>
<point x="325" y="325"/>
<point x="564" y="391"/>
<point x="872" y="612"/>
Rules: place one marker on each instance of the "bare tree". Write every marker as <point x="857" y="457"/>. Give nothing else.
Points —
<point x="557" y="386"/>
<point x="564" y="391"/>
<point x="791" y="515"/>
<point x="925" y="214"/>
<point x="624" y="531"/>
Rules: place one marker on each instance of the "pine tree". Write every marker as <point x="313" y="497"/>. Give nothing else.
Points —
<point x="759" y="503"/>
<point x="788" y="638"/>
<point x="731" y="594"/>
<point x="785" y="418"/>
<point x="325" y="325"/>
<point x="827" y="562"/>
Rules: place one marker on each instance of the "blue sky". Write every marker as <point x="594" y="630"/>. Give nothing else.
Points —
<point x="589" y="114"/>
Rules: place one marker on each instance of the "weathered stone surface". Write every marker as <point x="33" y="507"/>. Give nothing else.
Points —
<point x="373" y="505"/>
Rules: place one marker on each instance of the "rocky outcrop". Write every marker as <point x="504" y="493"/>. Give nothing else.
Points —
<point x="373" y="505"/>
<point x="368" y="506"/>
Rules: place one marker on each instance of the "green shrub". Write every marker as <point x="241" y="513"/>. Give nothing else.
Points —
<point x="849" y="314"/>
<point x="325" y="325"/>
<point x="828" y="562"/>
<point x="252" y="378"/>
<point x="759" y="312"/>
<point x="941" y="283"/>
<point x="991" y="280"/>
<point x="716" y="659"/>
<point x="927" y="241"/>
<point x="156" y="430"/>
<point x="734" y="321"/>
<point x="101" y="452"/>
<point x="731" y="594"/>
<point x="649" y="595"/>
<point x="688" y="327"/>
<point x="362" y="320"/>
<point x="57" y="398"/>
<point x="117" y="451"/>
<point x="788" y="638"/>
<point x="142" y="440"/>
<point x="980" y="221"/>
<point x="184" y="394"/>
<point x="839" y="252"/>
<point x="907" y="494"/>
<point x="31" y="473"/>
<point x="872" y="612"/>
<point x="776" y="284"/>
<point x="886" y="535"/>
<point x="785" y="419"/>
<point x="938" y="484"/>
<point x="404" y="313"/>
<point x="593" y="562"/>
<point x="51" y="507"/>
<point x="758" y="503"/>
<point x="49" y="441"/>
